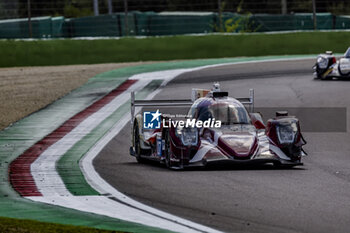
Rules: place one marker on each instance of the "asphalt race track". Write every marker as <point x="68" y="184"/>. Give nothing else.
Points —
<point x="312" y="198"/>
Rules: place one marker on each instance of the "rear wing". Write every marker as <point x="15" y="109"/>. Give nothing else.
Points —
<point x="156" y="103"/>
<point x="248" y="101"/>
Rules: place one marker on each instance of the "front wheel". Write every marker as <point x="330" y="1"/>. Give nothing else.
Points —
<point x="137" y="145"/>
<point x="167" y="150"/>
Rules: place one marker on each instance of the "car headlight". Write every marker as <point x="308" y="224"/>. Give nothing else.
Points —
<point x="286" y="133"/>
<point x="322" y="62"/>
<point x="188" y="136"/>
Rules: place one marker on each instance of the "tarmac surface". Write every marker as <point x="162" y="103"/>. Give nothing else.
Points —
<point x="311" y="198"/>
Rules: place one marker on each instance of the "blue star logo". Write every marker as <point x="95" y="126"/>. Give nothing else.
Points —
<point x="151" y="120"/>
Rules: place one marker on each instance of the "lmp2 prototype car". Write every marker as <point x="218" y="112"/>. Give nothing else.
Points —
<point x="327" y="67"/>
<point x="219" y="131"/>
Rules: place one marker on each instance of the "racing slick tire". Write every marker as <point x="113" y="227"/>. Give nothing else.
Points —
<point x="167" y="151"/>
<point x="138" y="150"/>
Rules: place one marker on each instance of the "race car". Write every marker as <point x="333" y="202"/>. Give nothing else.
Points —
<point x="327" y="67"/>
<point x="218" y="130"/>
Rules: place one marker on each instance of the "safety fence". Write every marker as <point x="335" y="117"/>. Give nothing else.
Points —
<point x="165" y="23"/>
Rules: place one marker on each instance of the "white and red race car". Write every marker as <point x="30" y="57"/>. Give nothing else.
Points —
<point x="218" y="130"/>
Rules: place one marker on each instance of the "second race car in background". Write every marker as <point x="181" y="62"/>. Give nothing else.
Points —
<point x="327" y="67"/>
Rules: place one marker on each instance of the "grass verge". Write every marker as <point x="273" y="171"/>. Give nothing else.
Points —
<point x="66" y="51"/>
<point x="10" y="225"/>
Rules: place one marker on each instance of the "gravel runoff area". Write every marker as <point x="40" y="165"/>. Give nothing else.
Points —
<point x="24" y="90"/>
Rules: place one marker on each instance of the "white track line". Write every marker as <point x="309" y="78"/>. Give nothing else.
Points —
<point x="103" y="205"/>
<point x="54" y="191"/>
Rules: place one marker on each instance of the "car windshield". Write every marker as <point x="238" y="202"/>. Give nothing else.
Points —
<point x="227" y="113"/>
<point x="347" y="53"/>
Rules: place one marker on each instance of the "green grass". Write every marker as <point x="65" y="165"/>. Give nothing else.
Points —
<point x="65" y="52"/>
<point x="10" y="225"/>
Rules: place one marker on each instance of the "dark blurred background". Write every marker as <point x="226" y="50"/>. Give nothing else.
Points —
<point x="115" y="18"/>
<point x="79" y="8"/>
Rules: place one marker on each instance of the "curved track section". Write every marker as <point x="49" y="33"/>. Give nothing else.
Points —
<point x="313" y="198"/>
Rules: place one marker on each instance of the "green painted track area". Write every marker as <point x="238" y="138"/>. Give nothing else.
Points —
<point x="23" y="134"/>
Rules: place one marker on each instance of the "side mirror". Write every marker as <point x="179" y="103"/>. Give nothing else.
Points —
<point x="257" y="120"/>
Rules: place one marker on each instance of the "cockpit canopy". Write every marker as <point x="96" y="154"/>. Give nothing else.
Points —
<point x="228" y="110"/>
<point x="347" y="53"/>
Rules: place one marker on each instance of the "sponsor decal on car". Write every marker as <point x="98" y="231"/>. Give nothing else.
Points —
<point x="152" y="120"/>
<point x="193" y="123"/>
